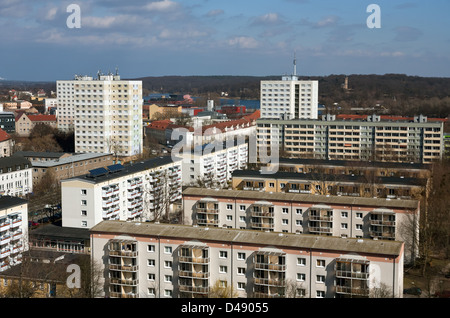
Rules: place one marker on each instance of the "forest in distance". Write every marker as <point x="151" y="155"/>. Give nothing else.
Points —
<point x="395" y="94"/>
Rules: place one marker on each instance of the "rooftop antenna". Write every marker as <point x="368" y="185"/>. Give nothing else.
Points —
<point x="295" y="64"/>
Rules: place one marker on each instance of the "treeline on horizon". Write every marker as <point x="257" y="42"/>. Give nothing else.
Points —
<point x="396" y="94"/>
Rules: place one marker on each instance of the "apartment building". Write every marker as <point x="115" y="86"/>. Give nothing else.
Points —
<point x="6" y="144"/>
<point x="13" y="230"/>
<point x="105" y="113"/>
<point x="150" y="260"/>
<point x="354" y="167"/>
<point x="7" y="121"/>
<point x="26" y="122"/>
<point x="213" y="164"/>
<point x="289" y="98"/>
<point x="376" y="138"/>
<point x="391" y="187"/>
<point x="139" y="191"/>
<point x="70" y="166"/>
<point x="339" y="216"/>
<point x="16" y="176"/>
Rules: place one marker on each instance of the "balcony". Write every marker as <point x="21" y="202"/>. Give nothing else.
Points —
<point x="123" y="268"/>
<point x="194" y="289"/>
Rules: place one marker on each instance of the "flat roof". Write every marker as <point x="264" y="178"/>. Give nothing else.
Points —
<point x="7" y="201"/>
<point x="300" y="197"/>
<point x="329" y="177"/>
<point x="355" y="164"/>
<point x="128" y="169"/>
<point x="252" y="237"/>
<point x="70" y="159"/>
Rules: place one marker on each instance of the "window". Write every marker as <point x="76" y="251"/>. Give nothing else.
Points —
<point x="320" y="294"/>
<point x="168" y="278"/>
<point x="229" y="206"/>
<point x="151" y="292"/>
<point x="344" y="226"/>
<point x="241" y="256"/>
<point x="83" y="202"/>
<point x="344" y="214"/>
<point x="301" y="261"/>
<point x="223" y="269"/>
<point x="167" y="293"/>
<point x="150" y="248"/>
<point x="359" y="226"/>
<point x="301" y="292"/>
<point x="168" y="264"/>
<point x="223" y="254"/>
<point x="320" y="279"/>
<point x="359" y="215"/>
<point x="301" y="277"/>
<point x="320" y="263"/>
<point x="151" y="262"/>
<point x="285" y="221"/>
<point x="241" y="286"/>
<point x="241" y="270"/>
<point x="151" y="276"/>
<point x="299" y="211"/>
<point x="285" y="210"/>
<point x="242" y="207"/>
<point x="168" y="249"/>
<point x="84" y="223"/>
<point x="83" y="213"/>
<point x="83" y="191"/>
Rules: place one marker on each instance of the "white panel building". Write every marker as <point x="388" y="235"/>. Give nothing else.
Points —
<point x="105" y="113"/>
<point x="289" y="98"/>
<point x="149" y="260"/>
<point x="137" y="192"/>
<point x="213" y="164"/>
<point x="13" y="230"/>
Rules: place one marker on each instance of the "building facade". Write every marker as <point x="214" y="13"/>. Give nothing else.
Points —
<point x="105" y="114"/>
<point x="16" y="176"/>
<point x="213" y="164"/>
<point x="374" y="138"/>
<point x="368" y="218"/>
<point x="26" y="122"/>
<point x="390" y="187"/>
<point x="140" y="191"/>
<point x="70" y="166"/>
<point x="13" y="231"/>
<point x="149" y="260"/>
<point x="289" y="98"/>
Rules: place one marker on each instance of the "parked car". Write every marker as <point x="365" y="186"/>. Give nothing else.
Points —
<point x="442" y="294"/>
<point x="412" y="291"/>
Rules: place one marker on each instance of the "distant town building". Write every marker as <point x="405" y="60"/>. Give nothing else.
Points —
<point x="289" y="98"/>
<point x="104" y="112"/>
<point x="378" y="138"/>
<point x="8" y="122"/>
<point x="26" y="122"/>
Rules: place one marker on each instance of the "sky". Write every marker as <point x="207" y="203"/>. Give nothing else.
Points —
<point x="38" y="40"/>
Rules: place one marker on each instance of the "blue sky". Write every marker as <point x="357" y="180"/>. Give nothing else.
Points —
<point x="222" y="37"/>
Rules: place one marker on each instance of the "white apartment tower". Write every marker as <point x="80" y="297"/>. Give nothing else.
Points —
<point x="104" y="112"/>
<point x="289" y="98"/>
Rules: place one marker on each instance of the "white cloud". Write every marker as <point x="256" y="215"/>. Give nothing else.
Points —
<point x="162" y="6"/>
<point x="244" y="42"/>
